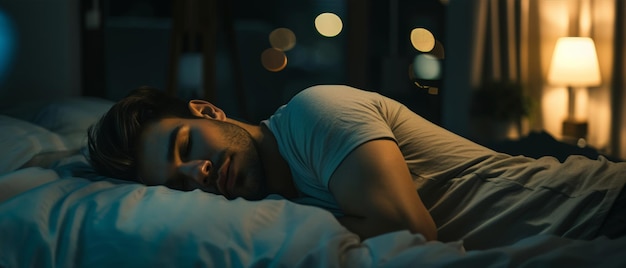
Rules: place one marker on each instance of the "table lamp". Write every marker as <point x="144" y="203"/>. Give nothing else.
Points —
<point x="574" y="65"/>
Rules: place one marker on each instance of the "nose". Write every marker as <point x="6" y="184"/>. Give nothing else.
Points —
<point x="197" y="170"/>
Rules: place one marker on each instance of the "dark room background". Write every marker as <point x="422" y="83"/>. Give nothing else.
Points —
<point x="373" y="51"/>
<point x="105" y="48"/>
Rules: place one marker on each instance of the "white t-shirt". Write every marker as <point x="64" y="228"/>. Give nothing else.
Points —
<point x="321" y="125"/>
<point x="473" y="193"/>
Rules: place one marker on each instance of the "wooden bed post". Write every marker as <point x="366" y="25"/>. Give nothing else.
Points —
<point x="195" y="29"/>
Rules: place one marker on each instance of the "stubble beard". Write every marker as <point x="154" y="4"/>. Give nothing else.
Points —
<point x="254" y="186"/>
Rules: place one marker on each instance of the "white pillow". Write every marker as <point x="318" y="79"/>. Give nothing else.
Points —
<point x="72" y="222"/>
<point x="20" y="141"/>
<point x="71" y="117"/>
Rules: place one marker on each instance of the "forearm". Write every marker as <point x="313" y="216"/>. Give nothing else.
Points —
<point x="379" y="193"/>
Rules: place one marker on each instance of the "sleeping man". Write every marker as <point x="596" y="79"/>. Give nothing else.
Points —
<point x="376" y="165"/>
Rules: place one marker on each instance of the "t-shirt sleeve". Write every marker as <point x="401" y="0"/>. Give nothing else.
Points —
<point x="323" y="124"/>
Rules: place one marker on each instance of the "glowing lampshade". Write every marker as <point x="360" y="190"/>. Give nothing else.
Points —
<point x="574" y="63"/>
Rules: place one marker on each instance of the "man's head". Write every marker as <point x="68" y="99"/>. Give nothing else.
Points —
<point x="155" y="139"/>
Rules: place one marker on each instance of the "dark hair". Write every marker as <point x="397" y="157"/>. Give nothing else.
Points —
<point x="113" y="140"/>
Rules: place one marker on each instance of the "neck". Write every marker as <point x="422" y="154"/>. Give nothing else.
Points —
<point x="277" y="172"/>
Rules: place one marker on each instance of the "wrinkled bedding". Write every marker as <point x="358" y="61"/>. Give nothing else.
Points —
<point x="55" y="212"/>
<point x="65" y="221"/>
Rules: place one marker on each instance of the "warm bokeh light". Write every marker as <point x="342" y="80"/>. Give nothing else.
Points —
<point x="582" y="143"/>
<point x="433" y="91"/>
<point x="426" y="67"/>
<point x="273" y="60"/>
<point x="282" y="39"/>
<point x="422" y="40"/>
<point x="328" y="24"/>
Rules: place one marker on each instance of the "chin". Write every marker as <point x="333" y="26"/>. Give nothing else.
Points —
<point x="252" y="186"/>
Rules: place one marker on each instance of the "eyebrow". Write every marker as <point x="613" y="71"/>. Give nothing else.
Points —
<point x="172" y="143"/>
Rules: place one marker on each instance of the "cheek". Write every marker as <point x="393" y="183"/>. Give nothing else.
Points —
<point x="211" y="140"/>
<point x="204" y="147"/>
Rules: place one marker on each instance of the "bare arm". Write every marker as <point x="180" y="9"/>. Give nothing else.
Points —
<point x="373" y="187"/>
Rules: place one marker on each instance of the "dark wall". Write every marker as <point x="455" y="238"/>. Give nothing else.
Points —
<point x="137" y="44"/>
<point x="45" y="59"/>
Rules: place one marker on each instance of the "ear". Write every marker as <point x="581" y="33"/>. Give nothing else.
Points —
<point x="205" y="109"/>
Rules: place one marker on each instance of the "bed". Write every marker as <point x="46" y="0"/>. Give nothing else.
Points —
<point x="56" y="212"/>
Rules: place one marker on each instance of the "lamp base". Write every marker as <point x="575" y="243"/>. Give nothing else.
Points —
<point x="574" y="130"/>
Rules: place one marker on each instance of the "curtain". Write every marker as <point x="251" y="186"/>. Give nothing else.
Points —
<point x="504" y="55"/>
<point x="618" y="94"/>
<point x="514" y="40"/>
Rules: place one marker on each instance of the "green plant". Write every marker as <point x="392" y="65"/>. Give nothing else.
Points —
<point x="500" y="100"/>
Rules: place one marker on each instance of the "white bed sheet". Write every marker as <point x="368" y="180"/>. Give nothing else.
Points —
<point x="67" y="222"/>
<point x="65" y="216"/>
<point x="46" y="129"/>
<point x="64" y="221"/>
